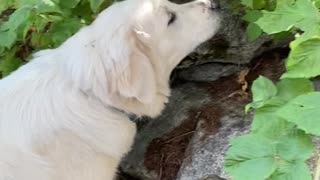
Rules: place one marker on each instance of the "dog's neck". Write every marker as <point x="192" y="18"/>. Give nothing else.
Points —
<point x="132" y="117"/>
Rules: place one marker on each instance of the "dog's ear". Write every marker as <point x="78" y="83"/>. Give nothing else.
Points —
<point x="133" y="75"/>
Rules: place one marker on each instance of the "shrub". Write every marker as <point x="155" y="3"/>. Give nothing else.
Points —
<point x="27" y="26"/>
<point x="286" y="114"/>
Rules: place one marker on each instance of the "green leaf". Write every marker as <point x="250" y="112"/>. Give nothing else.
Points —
<point x="291" y="88"/>
<point x="248" y="3"/>
<point x="311" y="33"/>
<point x="41" y="41"/>
<point x="257" y="157"/>
<point x="69" y="3"/>
<point x="9" y="62"/>
<point x="282" y="35"/>
<point x="8" y="38"/>
<point x="304" y="60"/>
<point x="304" y="112"/>
<point x="48" y="6"/>
<point x="22" y="3"/>
<point x="254" y="4"/>
<point x="263" y="90"/>
<point x="253" y="32"/>
<point x="252" y="16"/>
<point x="295" y="146"/>
<point x="301" y="14"/>
<point x="5" y="4"/>
<point x="259" y="4"/>
<point x="250" y="158"/>
<point x="267" y="123"/>
<point x="62" y="30"/>
<point x="95" y="4"/>
<point x="292" y="171"/>
<point x="17" y="18"/>
<point x="317" y="3"/>
<point x="253" y="169"/>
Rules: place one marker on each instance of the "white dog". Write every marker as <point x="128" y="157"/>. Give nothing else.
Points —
<point x="63" y="116"/>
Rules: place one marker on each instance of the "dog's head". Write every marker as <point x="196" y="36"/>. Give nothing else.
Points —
<point x="135" y="44"/>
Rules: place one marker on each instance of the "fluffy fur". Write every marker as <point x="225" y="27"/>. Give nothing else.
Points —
<point x="61" y="115"/>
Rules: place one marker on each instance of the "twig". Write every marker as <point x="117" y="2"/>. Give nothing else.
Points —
<point x="181" y="135"/>
<point x="161" y="169"/>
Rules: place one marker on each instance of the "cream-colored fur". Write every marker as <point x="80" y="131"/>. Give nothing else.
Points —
<point x="59" y="114"/>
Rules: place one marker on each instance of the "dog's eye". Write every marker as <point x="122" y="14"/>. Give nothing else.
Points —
<point x="172" y="18"/>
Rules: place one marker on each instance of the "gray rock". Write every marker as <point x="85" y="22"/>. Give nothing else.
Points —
<point x="231" y="44"/>
<point x="208" y="72"/>
<point x="207" y="155"/>
<point x="212" y="109"/>
<point x="183" y="99"/>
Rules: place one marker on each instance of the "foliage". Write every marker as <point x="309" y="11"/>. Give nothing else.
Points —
<point x="31" y="25"/>
<point x="287" y="113"/>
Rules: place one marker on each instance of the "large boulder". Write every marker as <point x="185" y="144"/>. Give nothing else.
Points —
<point x="189" y="140"/>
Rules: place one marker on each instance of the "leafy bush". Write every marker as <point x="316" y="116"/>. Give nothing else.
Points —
<point x="31" y="25"/>
<point x="287" y="113"/>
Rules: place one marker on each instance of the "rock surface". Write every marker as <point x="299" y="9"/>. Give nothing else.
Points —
<point x="188" y="141"/>
<point x="231" y="44"/>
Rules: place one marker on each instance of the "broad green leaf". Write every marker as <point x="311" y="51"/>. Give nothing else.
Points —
<point x="254" y="4"/>
<point x="301" y="14"/>
<point x="252" y="16"/>
<point x="17" y="18"/>
<point x="317" y="3"/>
<point x="282" y="35"/>
<point x="62" y="30"/>
<point x="263" y="90"/>
<point x="258" y="157"/>
<point x="84" y="12"/>
<point x="291" y="88"/>
<point x="304" y="112"/>
<point x="304" y="60"/>
<point x="297" y="170"/>
<point x="41" y="41"/>
<point x="69" y="3"/>
<point x="253" y="169"/>
<point x="5" y="4"/>
<point x="313" y="32"/>
<point x="95" y="4"/>
<point x="253" y="32"/>
<point x="295" y="146"/>
<point x="248" y="3"/>
<point x="259" y="4"/>
<point x="48" y="6"/>
<point x="267" y="123"/>
<point x="250" y="158"/>
<point x="9" y="62"/>
<point x="7" y="38"/>
<point x="22" y="3"/>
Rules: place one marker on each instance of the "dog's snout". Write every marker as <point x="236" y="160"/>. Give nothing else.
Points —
<point x="211" y="4"/>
